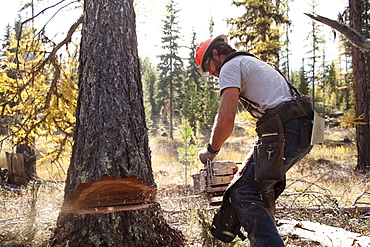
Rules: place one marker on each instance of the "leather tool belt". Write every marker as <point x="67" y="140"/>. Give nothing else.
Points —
<point x="269" y="149"/>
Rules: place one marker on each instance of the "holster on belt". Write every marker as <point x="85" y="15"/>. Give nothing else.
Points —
<point x="269" y="149"/>
<point x="300" y="107"/>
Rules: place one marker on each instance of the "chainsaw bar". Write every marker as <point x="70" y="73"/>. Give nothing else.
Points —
<point x="124" y="204"/>
<point x="142" y="202"/>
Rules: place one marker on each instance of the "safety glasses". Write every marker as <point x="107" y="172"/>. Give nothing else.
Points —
<point x="206" y="65"/>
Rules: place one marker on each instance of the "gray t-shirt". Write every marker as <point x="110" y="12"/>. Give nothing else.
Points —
<point x="257" y="81"/>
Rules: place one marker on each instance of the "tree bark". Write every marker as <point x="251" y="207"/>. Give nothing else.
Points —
<point x="110" y="138"/>
<point x="361" y="93"/>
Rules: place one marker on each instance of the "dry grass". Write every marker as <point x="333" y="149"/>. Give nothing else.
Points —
<point x="28" y="216"/>
<point x="324" y="178"/>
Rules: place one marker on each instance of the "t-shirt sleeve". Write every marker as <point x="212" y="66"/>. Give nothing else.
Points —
<point x="230" y="75"/>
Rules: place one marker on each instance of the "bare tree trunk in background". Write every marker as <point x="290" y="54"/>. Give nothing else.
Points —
<point x="110" y="138"/>
<point x="360" y="91"/>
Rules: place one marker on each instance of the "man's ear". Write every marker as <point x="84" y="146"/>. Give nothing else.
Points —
<point x="214" y="52"/>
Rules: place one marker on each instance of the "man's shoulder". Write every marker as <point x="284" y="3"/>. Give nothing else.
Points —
<point x="237" y="56"/>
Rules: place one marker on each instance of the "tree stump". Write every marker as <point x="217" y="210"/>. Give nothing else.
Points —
<point x="21" y="165"/>
<point x="16" y="171"/>
<point x="29" y="160"/>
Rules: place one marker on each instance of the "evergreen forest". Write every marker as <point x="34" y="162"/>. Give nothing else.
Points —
<point x="40" y="89"/>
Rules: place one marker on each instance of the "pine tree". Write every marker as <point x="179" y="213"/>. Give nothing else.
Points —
<point x="330" y="89"/>
<point x="7" y="36"/>
<point x="345" y="75"/>
<point x="284" y="60"/>
<point x="300" y="80"/>
<point x="192" y="69"/>
<point x="193" y="91"/>
<point x="188" y="151"/>
<point x="361" y="88"/>
<point x="315" y="52"/>
<point x="169" y="89"/>
<point x="110" y="160"/>
<point x="149" y="79"/>
<point x="259" y="29"/>
<point x="199" y="104"/>
<point x="211" y="94"/>
<point x="366" y="33"/>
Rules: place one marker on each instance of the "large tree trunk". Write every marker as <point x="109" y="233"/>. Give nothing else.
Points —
<point x="110" y="138"/>
<point x="360" y="91"/>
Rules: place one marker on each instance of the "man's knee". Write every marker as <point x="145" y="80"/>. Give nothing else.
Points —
<point x="244" y="195"/>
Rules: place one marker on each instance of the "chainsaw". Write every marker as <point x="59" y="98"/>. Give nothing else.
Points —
<point x="122" y="194"/>
<point x="212" y="181"/>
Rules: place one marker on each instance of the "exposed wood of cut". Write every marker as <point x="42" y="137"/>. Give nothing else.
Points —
<point x="102" y="196"/>
<point x="325" y="235"/>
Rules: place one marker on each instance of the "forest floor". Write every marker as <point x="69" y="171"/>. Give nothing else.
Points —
<point x="324" y="179"/>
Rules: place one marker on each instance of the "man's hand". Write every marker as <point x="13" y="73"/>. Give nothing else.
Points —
<point x="205" y="156"/>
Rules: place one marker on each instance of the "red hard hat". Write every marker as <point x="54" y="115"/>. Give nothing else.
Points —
<point x="200" y="51"/>
<point x="203" y="49"/>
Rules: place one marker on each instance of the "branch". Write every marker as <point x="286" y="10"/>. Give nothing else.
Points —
<point x="326" y="210"/>
<point x="355" y="38"/>
<point x="65" y="41"/>
<point x="53" y="52"/>
<point x="21" y="27"/>
<point x="43" y="28"/>
<point x="41" y="12"/>
<point x="53" y="86"/>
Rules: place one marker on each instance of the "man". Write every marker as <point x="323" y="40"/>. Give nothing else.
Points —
<point x="284" y="126"/>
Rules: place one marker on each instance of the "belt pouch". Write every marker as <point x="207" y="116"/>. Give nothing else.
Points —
<point x="269" y="151"/>
<point x="268" y="156"/>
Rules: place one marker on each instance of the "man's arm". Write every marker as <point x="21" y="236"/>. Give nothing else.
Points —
<point x="224" y="122"/>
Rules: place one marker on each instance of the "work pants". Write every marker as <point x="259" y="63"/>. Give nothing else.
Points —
<point x="253" y="209"/>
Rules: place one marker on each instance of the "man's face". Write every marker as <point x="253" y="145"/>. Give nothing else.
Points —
<point x="213" y="66"/>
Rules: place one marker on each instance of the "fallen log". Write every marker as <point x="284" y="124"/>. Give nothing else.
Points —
<point x="326" y="235"/>
<point x="327" y="210"/>
<point x="10" y="188"/>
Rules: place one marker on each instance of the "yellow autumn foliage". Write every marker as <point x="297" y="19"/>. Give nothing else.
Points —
<point x="41" y="100"/>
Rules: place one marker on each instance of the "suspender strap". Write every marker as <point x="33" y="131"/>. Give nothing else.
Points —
<point x="238" y="53"/>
